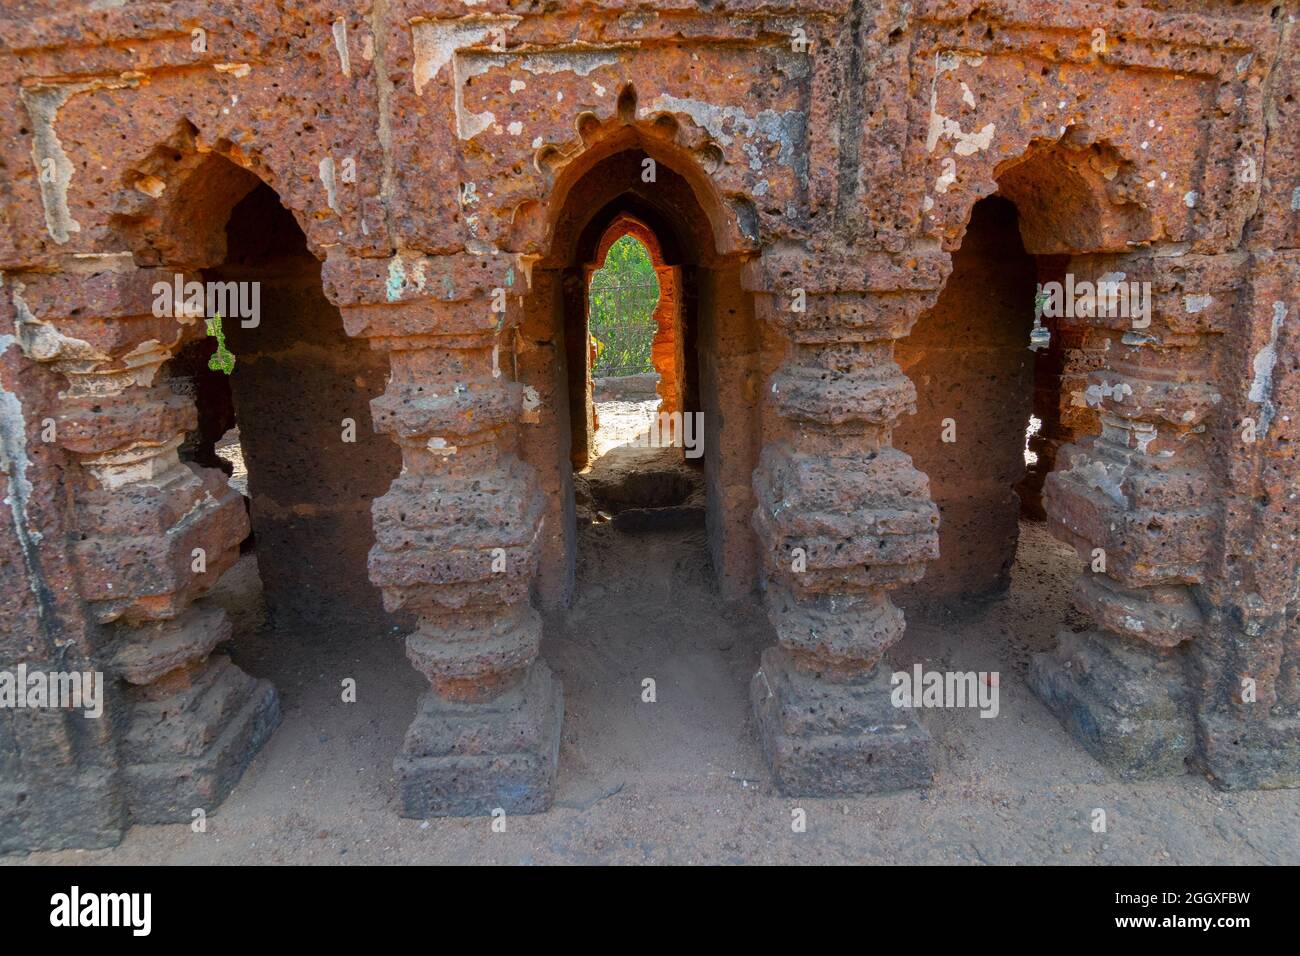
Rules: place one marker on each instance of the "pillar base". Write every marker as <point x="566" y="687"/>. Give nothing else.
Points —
<point x="824" y="739"/>
<point x="189" y="750"/>
<point x="1250" y="756"/>
<point x="82" y="810"/>
<point x="467" y="759"/>
<point x="1124" y="701"/>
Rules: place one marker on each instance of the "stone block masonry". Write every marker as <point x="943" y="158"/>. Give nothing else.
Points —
<point x="850" y="206"/>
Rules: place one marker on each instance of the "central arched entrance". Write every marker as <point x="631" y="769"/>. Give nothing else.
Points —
<point x="649" y="565"/>
<point x="706" y="354"/>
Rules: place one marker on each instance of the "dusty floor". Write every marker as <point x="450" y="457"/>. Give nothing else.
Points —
<point x="682" y="780"/>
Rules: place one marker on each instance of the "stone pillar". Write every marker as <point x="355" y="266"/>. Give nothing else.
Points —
<point x="1137" y="501"/>
<point x="59" y="780"/>
<point x="666" y="351"/>
<point x="842" y="518"/>
<point x="457" y="534"/>
<point x="154" y="535"/>
<point x="1246" y="667"/>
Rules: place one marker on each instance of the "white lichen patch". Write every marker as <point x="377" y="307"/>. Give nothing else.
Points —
<point x="580" y="62"/>
<point x="14" y="463"/>
<point x="436" y="43"/>
<point x="941" y="127"/>
<point x="475" y="63"/>
<point x="340" y="31"/>
<point x="1108" y="478"/>
<point x="532" y="404"/>
<point x="469" y="125"/>
<point x="1137" y="339"/>
<point x="725" y="123"/>
<point x="53" y="168"/>
<point x="326" y="171"/>
<point x="42" y="342"/>
<point x="1094" y="395"/>
<point x="1265" y="361"/>
<point x="1144" y="433"/>
<point x="947" y="177"/>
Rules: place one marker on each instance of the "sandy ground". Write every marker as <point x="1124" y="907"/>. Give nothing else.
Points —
<point x="620" y="422"/>
<point x="682" y="780"/>
<point x="229" y="449"/>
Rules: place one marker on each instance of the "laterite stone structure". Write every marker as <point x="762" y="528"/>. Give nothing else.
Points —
<point x="852" y="202"/>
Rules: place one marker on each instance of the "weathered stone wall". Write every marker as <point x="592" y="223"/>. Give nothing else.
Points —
<point x="970" y="360"/>
<point x="444" y="165"/>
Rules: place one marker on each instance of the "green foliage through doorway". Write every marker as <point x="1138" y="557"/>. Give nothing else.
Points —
<point x="621" y="303"/>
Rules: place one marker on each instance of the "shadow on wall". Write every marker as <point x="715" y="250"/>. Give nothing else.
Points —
<point x="300" y="394"/>
<point x="970" y="360"/>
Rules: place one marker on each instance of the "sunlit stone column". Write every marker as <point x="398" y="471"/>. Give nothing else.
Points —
<point x="843" y="518"/>
<point x="456" y="536"/>
<point x="1138" y="502"/>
